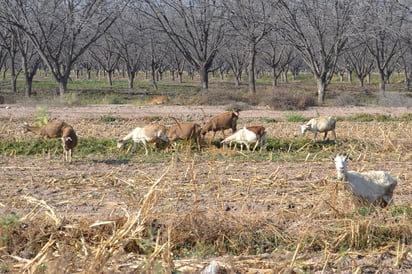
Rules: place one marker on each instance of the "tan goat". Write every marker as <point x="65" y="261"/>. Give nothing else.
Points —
<point x="53" y="129"/>
<point x="69" y="141"/>
<point x="185" y="131"/>
<point x="153" y="133"/>
<point x="320" y="124"/>
<point x="226" y="120"/>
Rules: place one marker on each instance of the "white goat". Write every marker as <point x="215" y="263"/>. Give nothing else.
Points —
<point x="242" y="136"/>
<point x="320" y="124"/>
<point x="374" y="186"/>
<point x="260" y="132"/>
<point x="148" y="134"/>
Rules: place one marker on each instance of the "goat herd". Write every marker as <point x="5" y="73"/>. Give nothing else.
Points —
<point x="375" y="187"/>
<point x="157" y="133"/>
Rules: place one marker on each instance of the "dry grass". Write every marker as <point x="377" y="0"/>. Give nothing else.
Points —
<point x="272" y="212"/>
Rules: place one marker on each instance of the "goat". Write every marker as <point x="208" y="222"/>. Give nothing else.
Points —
<point x="53" y="129"/>
<point x="148" y="134"/>
<point x="158" y="100"/>
<point x="221" y="122"/>
<point x="242" y="136"/>
<point x="374" y="186"/>
<point x="69" y="141"/>
<point x="260" y="132"/>
<point x="184" y="131"/>
<point x="320" y="124"/>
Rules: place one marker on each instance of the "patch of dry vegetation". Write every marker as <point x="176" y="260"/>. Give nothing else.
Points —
<point x="275" y="211"/>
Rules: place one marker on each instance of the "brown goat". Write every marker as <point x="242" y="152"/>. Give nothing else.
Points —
<point x="184" y="131"/>
<point x="221" y="122"/>
<point x="69" y="141"/>
<point x="53" y="129"/>
<point x="260" y="132"/>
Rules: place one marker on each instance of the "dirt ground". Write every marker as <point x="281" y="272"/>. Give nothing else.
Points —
<point x="96" y="188"/>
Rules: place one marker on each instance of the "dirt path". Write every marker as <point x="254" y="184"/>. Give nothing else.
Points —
<point x="194" y="113"/>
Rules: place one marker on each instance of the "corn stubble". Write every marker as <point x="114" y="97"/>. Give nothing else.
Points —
<point x="268" y="216"/>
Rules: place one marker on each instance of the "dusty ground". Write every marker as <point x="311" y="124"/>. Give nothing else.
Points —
<point x="195" y="113"/>
<point x="97" y="187"/>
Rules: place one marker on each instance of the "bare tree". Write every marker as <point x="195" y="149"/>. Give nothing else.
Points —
<point x="8" y="41"/>
<point x="318" y="29"/>
<point x="361" y="61"/>
<point x="61" y="31"/>
<point x="236" y="57"/>
<point x="176" y="62"/>
<point x="251" y="20"/>
<point x="195" y="27"/>
<point x="277" y="55"/>
<point x="405" y="59"/>
<point x="127" y="36"/>
<point x="379" y="26"/>
<point x="105" y="54"/>
<point x="3" y="61"/>
<point x="31" y="60"/>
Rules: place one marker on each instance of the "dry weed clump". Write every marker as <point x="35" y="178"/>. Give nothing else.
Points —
<point x="288" y="100"/>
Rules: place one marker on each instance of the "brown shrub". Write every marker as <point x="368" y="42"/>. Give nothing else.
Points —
<point x="287" y="100"/>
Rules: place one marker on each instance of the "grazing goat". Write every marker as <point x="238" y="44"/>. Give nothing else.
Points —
<point x="221" y="122"/>
<point x="148" y="134"/>
<point x="320" y="124"/>
<point x="374" y="186"/>
<point x="242" y="136"/>
<point x="158" y="100"/>
<point x="53" y="129"/>
<point x="184" y="131"/>
<point x="69" y="141"/>
<point x="260" y="133"/>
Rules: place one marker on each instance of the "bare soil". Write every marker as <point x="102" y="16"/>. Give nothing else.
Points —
<point x="100" y="189"/>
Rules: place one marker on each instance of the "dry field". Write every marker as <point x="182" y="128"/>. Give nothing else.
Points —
<point x="276" y="215"/>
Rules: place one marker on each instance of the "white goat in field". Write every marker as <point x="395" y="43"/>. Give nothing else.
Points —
<point x="320" y="124"/>
<point x="148" y="134"/>
<point x="260" y="132"/>
<point x="242" y="136"/>
<point x="374" y="186"/>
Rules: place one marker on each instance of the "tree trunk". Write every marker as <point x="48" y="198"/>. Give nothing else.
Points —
<point x="285" y="73"/>
<point x="321" y="83"/>
<point x="382" y="84"/>
<point x="131" y="80"/>
<point x="350" y="79"/>
<point x="109" y="78"/>
<point x="13" y="76"/>
<point x="251" y="68"/>
<point x="274" y="78"/>
<point x="204" y="77"/>
<point x="362" y="81"/>
<point x="63" y="85"/>
<point x="180" y="73"/>
<point x="29" y="84"/>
